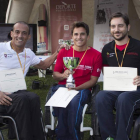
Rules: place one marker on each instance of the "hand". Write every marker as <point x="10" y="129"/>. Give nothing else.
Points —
<point x="67" y="47"/>
<point x="72" y="88"/>
<point x="4" y="99"/>
<point x="66" y="73"/>
<point x="136" y="81"/>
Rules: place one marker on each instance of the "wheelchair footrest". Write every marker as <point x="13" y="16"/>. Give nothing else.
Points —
<point x="97" y="137"/>
<point x="51" y="134"/>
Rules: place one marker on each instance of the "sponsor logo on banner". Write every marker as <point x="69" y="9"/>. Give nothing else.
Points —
<point x="65" y="7"/>
<point x="63" y="13"/>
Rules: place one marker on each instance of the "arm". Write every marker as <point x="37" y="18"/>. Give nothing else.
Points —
<point x="47" y="62"/>
<point x="88" y="84"/>
<point x="50" y="60"/>
<point x="61" y="76"/>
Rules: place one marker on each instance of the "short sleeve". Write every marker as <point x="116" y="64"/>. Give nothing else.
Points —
<point x="97" y="66"/>
<point x="35" y="60"/>
<point x="59" y="66"/>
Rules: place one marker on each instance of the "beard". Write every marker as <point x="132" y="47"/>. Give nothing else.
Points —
<point x="120" y="38"/>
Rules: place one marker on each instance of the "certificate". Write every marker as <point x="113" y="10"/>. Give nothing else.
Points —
<point x="12" y="80"/>
<point x="119" y="78"/>
<point x="61" y="97"/>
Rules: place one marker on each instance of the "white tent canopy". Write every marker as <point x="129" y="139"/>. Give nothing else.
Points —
<point x="137" y="6"/>
<point x="19" y="10"/>
<point x="27" y="10"/>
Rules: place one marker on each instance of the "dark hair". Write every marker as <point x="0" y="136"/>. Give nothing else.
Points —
<point x="22" y="22"/>
<point x="9" y="35"/>
<point x="80" y="24"/>
<point x="122" y="15"/>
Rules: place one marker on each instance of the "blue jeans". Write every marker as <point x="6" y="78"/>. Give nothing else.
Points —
<point x="70" y="118"/>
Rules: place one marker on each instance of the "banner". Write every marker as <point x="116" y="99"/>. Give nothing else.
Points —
<point x="62" y="14"/>
<point x="103" y="10"/>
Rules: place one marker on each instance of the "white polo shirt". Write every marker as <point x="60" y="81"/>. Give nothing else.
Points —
<point x="9" y="59"/>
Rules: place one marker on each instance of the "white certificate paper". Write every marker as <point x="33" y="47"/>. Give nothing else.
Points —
<point x="12" y="80"/>
<point x="61" y="97"/>
<point x="119" y="78"/>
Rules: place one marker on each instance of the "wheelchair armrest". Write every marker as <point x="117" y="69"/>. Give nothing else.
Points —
<point x="95" y="89"/>
<point x="91" y="105"/>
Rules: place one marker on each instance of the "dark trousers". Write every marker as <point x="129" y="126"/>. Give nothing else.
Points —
<point x="125" y="104"/>
<point x="25" y="109"/>
<point x="70" y="118"/>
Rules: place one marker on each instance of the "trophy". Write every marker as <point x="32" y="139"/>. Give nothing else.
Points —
<point x="71" y="63"/>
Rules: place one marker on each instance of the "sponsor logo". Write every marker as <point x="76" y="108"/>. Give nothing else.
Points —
<point x="98" y="70"/>
<point x="8" y="55"/>
<point x="65" y="7"/>
<point x="132" y="53"/>
<point x="84" y="67"/>
<point x="81" y="67"/>
<point x="5" y="55"/>
<point x="88" y="68"/>
<point x="110" y="54"/>
<point x="26" y="56"/>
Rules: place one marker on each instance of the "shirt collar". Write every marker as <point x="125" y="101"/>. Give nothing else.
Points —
<point x="113" y="43"/>
<point x="10" y="48"/>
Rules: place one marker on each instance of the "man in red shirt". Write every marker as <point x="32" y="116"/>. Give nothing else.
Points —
<point x="85" y="74"/>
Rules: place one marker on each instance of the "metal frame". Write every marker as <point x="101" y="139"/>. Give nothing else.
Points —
<point x="82" y="128"/>
<point x="15" y="127"/>
<point x="136" y="129"/>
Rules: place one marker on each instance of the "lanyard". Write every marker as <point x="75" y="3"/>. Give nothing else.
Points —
<point x="20" y="61"/>
<point x="82" y="56"/>
<point x="123" y="54"/>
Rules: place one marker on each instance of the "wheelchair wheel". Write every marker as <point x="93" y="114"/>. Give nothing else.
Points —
<point x="82" y="135"/>
<point x="47" y="109"/>
<point x="51" y="133"/>
<point x="94" y="119"/>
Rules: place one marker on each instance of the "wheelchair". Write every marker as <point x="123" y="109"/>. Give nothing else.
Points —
<point x="88" y="109"/>
<point x="136" y="127"/>
<point x="136" y="124"/>
<point x="4" y="124"/>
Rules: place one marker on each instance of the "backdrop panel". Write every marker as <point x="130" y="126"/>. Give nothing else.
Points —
<point x="103" y="11"/>
<point x="62" y="15"/>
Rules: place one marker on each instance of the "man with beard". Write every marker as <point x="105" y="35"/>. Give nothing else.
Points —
<point x="125" y="52"/>
<point x="85" y="74"/>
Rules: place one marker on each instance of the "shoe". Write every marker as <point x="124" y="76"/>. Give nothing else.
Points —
<point x="109" y="138"/>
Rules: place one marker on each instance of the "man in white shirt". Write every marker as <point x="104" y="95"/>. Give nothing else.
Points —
<point x="22" y="105"/>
